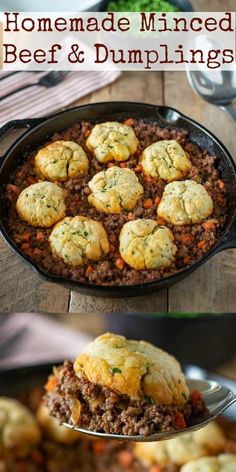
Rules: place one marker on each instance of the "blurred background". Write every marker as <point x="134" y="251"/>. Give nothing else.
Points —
<point x="205" y="340"/>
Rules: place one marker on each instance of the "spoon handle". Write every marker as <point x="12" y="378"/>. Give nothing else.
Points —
<point x="230" y="110"/>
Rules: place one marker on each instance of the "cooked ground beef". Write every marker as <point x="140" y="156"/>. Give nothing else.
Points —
<point x="88" y="456"/>
<point x="192" y="241"/>
<point x="104" y="410"/>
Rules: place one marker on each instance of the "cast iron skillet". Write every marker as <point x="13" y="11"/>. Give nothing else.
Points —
<point x="38" y="131"/>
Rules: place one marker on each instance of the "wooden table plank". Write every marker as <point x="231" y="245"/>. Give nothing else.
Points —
<point x="21" y="289"/>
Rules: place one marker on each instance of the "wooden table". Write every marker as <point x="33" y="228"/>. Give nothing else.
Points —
<point x="211" y="288"/>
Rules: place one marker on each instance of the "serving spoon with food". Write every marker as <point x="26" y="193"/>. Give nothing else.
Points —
<point x="217" y="399"/>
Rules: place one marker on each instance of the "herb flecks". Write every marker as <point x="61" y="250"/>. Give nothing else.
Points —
<point x="116" y="370"/>
<point x="150" y="400"/>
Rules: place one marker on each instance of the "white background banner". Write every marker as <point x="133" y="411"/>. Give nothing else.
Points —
<point x="124" y="41"/>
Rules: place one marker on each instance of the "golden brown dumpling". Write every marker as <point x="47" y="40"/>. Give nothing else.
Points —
<point x="165" y="160"/>
<point x="115" y="190"/>
<point x="41" y="204"/>
<point x="61" y="160"/>
<point x="145" y="245"/>
<point x="222" y="463"/>
<point x="135" y="368"/>
<point x="78" y="240"/>
<point x="185" y="203"/>
<point x="112" y="141"/>
<point x="19" y="431"/>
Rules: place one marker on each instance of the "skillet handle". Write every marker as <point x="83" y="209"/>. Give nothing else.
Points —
<point x="18" y="124"/>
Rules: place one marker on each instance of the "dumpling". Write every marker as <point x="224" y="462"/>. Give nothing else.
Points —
<point x="115" y="190"/>
<point x="41" y="204"/>
<point x="61" y="160"/>
<point x="112" y="141"/>
<point x="146" y="245"/>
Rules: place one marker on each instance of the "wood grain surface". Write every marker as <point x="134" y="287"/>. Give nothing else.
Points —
<point x="211" y="288"/>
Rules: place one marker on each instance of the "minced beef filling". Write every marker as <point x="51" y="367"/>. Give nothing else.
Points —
<point x="192" y="241"/>
<point x="88" y="456"/>
<point x="104" y="410"/>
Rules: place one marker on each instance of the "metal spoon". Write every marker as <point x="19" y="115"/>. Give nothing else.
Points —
<point x="217" y="88"/>
<point x="217" y="399"/>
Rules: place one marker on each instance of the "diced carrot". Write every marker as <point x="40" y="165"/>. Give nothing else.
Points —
<point x="112" y="247"/>
<point x="137" y="152"/>
<point x="122" y="165"/>
<point x="39" y="236"/>
<point x="31" y="180"/>
<point x="110" y="164"/>
<point x="201" y="244"/>
<point x="129" y="122"/>
<point x="186" y="238"/>
<point x="125" y="458"/>
<point x="99" y="447"/>
<point x="179" y="420"/>
<point x="13" y="188"/>
<point x="120" y="263"/>
<point x="156" y="468"/>
<point x="208" y="225"/>
<point x="221" y="184"/>
<point x="147" y="178"/>
<point x="51" y="383"/>
<point x="139" y="168"/>
<point x="37" y="251"/>
<point x="147" y="203"/>
<point x="157" y="200"/>
<point x="87" y="133"/>
<point x="130" y="216"/>
<point x="195" y="396"/>
<point x="26" y="237"/>
<point x="187" y="260"/>
<point x="160" y="221"/>
<point x="37" y="457"/>
<point x="89" y="269"/>
<point x="25" y="246"/>
<point x="19" y="174"/>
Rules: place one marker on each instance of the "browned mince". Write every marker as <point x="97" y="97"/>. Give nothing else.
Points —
<point x="114" y="413"/>
<point x="88" y="456"/>
<point x="106" y="272"/>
